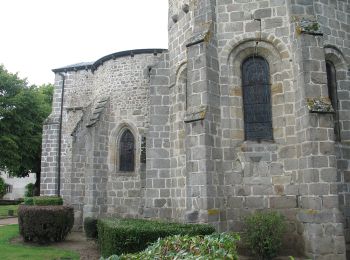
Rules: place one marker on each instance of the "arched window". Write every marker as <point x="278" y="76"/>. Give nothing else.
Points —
<point x="333" y="96"/>
<point x="127" y="151"/>
<point x="256" y="99"/>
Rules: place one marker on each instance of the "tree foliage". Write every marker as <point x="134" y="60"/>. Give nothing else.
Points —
<point x="23" y="109"/>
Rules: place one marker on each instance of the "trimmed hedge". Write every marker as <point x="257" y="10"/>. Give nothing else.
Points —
<point x="118" y="236"/>
<point x="11" y="202"/>
<point x="90" y="227"/>
<point x="43" y="201"/>
<point x="44" y="224"/>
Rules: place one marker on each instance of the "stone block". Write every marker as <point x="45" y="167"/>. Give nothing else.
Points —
<point x="328" y="175"/>
<point x="158" y="203"/>
<point x="283" y="202"/>
<point x="287" y="152"/>
<point x="262" y="13"/>
<point x="271" y="23"/>
<point x="280" y="180"/>
<point x="254" y="202"/>
<point x="192" y="216"/>
<point x="311" y="203"/>
<point x="319" y="189"/>
<point x="236" y="16"/>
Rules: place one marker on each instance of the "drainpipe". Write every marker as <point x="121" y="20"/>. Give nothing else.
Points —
<point x="60" y="137"/>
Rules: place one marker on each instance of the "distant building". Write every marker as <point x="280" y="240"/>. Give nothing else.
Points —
<point x="16" y="186"/>
<point x="247" y="110"/>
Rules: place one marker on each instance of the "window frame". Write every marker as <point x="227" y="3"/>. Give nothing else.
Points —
<point x="120" y="152"/>
<point x="268" y="104"/>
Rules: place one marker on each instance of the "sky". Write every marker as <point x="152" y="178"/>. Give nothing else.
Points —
<point x="40" y="35"/>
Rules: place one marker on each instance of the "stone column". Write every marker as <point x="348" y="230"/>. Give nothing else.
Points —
<point x="157" y="196"/>
<point x="320" y="217"/>
<point x="202" y="117"/>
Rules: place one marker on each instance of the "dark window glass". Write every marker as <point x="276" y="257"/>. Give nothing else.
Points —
<point x="333" y="96"/>
<point x="256" y="99"/>
<point x="126" y="152"/>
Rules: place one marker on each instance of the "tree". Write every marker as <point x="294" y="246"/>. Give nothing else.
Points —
<point x="23" y="110"/>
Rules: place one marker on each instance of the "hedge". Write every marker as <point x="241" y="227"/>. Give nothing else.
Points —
<point x="118" y="236"/>
<point x="43" y="200"/>
<point x="44" y="224"/>
<point x="90" y="227"/>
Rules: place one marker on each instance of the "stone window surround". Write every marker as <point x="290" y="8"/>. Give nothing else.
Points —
<point x="336" y="57"/>
<point x="113" y="151"/>
<point x="265" y="50"/>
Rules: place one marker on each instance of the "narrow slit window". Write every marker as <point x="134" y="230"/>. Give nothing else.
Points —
<point x="127" y="152"/>
<point x="257" y="99"/>
<point x="333" y="96"/>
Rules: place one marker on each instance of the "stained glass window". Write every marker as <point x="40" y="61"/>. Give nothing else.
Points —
<point x="256" y="99"/>
<point x="126" y="152"/>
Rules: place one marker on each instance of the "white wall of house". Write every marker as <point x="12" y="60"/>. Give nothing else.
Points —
<point x="18" y="185"/>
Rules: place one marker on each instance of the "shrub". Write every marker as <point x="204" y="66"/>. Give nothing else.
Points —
<point x="215" y="246"/>
<point x="44" y="224"/>
<point x="264" y="233"/>
<point x="117" y="236"/>
<point x="2" y="187"/>
<point x="90" y="227"/>
<point x="29" y="190"/>
<point x="43" y="200"/>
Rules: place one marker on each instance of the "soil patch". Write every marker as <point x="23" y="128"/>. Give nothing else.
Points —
<point x="76" y="241"/>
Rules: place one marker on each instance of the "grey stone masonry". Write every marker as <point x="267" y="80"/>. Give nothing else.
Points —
<point x="187" y="110"/>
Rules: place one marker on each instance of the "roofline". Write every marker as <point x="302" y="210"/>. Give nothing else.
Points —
<point x="94" y="65"/>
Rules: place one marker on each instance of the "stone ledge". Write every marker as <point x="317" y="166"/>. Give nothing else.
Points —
<point x="319" y="105"/>
<point x="198" y="38"/>
<point x="307" y="25"/>
<point x="195" y="114"/>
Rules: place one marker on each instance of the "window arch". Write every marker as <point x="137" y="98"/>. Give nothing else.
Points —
<point x="333" y="95"/>
<point x="127" y="151"/>
<point x="256" y="99"/>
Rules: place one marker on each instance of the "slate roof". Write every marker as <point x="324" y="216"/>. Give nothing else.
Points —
<point x="94" y="65"/>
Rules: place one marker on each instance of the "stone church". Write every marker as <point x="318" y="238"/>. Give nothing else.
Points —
<point x="247" y="110"/>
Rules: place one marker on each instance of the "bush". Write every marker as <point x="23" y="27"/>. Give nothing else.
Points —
<point x="215" y="246"/>
<point x="43" y="200"/>
<point x="29" y="190"/>
<point x="90" y="227"/>
<point x="117" y="236"/>
<point x="44" y="224"/>
<point x="2" y="187"/>
<point x="264" y="233"/>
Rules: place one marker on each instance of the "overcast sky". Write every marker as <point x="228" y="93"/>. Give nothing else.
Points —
<point x="40" y="35"/>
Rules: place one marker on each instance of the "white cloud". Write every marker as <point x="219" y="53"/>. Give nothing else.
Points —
<point x="39" y="35"/>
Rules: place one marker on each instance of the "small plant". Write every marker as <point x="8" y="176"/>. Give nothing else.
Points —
<point x="263" y="234"/>
<point x="29" y="190"/>
<point x="215" y="246"/>
<point x="2" y="187"/>
<point x="90" y="227"/>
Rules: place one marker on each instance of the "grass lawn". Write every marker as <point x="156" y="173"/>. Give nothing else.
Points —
<point x="10" y="251"/>
<point x="5" y="208"/>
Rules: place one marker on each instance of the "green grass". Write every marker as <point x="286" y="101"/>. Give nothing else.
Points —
<point x="5" y="208"/>
<point x="11" y="251"/>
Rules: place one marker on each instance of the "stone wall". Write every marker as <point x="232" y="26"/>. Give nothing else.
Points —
<point x="186" y="105"/>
